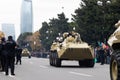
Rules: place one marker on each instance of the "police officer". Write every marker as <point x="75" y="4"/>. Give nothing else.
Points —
<point x="10" y="57"/>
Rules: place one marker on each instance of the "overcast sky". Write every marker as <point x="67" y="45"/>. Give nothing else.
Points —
<point x="43" y="10"/>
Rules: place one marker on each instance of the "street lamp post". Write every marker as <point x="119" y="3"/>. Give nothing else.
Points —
<point x="59" y="38"/>
<point x="74" y="28"/>
<point x="48" y="32"/>
<point x="103" y="4"/>
<point x="34" y="45"/>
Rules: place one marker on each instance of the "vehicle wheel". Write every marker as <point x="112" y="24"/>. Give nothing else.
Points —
<point x="115" y="66"/>
<point x="57" y="61"/>
<point x="53" y="59"/>
<point x="50" y="59"/>
<point x="90" y="63"/>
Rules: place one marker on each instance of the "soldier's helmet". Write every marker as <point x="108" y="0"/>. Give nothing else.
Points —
<point x="65" y="34"/>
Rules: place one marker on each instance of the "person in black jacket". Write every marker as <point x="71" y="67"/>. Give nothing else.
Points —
<point x="18" y="54"/>
<point x="10" y="55"/>
<point x="102" y="55"/>
<point x="3" y="53"/>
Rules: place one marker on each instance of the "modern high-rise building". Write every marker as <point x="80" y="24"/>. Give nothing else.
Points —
<point x="9" y="30"/>
<point x="26" y="16"/>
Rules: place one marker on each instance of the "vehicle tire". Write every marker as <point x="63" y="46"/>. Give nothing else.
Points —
<point x="29" y="56"/>
<point x="115" y="65"/>
<point x="90" y="63"/>
<point x="51" y="59"/>
<point x="57" y="60"/>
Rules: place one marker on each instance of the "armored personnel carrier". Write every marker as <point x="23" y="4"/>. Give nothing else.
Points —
<point x="26" y="53"/>
<point x="71" y="47"/>
<point x="114" y="42"/>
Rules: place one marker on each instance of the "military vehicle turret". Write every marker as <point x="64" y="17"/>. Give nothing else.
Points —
<point x="71" y="47"/>
<point x="114" y="42"/>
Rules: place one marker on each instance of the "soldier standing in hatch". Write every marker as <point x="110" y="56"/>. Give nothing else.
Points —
<point x="10" y="56"/>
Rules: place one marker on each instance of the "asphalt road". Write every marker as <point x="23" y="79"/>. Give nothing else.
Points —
<point x="39" y="69"/>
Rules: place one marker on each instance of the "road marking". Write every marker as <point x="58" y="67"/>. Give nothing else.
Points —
<point x="43" y="66"/>
<point x="81" y="74"/>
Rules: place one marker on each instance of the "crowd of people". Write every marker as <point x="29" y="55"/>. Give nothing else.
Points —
<point x="103" y="53"/>
<point x="9" y="50"/>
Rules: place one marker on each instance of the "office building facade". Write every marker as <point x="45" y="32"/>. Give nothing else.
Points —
<point x="8" y="29"/>
<point x="26" y="16"/>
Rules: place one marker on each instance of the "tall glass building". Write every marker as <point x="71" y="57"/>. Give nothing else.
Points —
<point x="26" y="16"/>
<point x="9" y="30"/>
